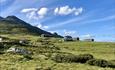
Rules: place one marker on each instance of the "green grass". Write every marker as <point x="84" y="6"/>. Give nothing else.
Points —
<point x="100" y="50"/>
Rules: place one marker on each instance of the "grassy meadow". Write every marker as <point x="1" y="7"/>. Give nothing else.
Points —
<point x="43" y="50"/>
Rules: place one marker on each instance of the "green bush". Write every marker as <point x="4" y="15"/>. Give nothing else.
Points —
<point x="83" y="58"/>
<point x="1" y="46"/>
<point x="27" y="57"/>
<point x="1" y="52"/>
<point x="98" y="62"/>
<point x="46" y="42"/>
<point x="112" y="64"/>
<point x="63" y="58"/>
<point x="39" y="40"/>
<point x="72" y="58"/>
<point x="54" y="47"/>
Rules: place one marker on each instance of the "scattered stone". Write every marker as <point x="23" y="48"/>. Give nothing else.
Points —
<point x="0" y="39"/>
<point x="23" y="41"/>
<point x="18" y="50"/>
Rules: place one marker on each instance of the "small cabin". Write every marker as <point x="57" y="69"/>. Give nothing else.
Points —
<point x="89" y="40"/>
<point x="76" y="39"/>
<point x="46" y="35"/>
<point x="68" y="38"/>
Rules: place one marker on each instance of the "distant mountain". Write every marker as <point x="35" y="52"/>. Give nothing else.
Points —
<point x="1" y="18"/>
<point x="14" y="25"/>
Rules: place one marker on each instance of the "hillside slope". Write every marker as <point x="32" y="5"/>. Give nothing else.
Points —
<point x="14" y="25"/>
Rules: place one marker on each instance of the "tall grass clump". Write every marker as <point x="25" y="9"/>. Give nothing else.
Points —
<point x="72" y="58"/>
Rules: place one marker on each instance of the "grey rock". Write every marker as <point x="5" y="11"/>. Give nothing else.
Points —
<point x="19" y="50"/>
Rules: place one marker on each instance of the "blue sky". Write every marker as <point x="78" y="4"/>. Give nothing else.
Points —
<point x="83" y="18"/>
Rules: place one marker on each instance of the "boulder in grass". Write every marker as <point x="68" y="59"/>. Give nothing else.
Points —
<point x="18" y="50"/>
<point x="23" y="41"/>
<point x="0" y="39"/>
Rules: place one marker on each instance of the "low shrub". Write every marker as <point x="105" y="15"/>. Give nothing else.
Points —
<point x="112" y="64"/>
<point x="72" y="58"/>
<point x="91" y="62"/>
<point x="1" y="46"/>
<point x="39" y="40"/>
<point x="45" y="42"/>
<point x="63" y="58"/>
<point x="98" y="62"/>
<point x="27" y="57"/>
<point x="83" y="58"/>
<point x="54" y="47"/>
<point x="1" y="52"/>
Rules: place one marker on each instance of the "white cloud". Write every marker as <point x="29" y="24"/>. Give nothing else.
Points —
<point x="79" y="11"/>
<point x="39" y="25"/>
<point x="56" y="10"/>
<point x="52" y="31"/>
<point x="66" y="10"/>
<point x="34" y="13"/>
<point x="65" y="32"/>
<point x="42" y="12"/>
<point x="68" y="32"/>
<point x="28" y="10"/>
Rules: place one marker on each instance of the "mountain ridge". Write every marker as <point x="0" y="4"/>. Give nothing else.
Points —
<point x="14" y="25"/>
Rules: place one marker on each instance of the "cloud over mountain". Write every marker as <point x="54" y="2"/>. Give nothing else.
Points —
<point x="34" y="13"/>
<point x="39" y="25"/>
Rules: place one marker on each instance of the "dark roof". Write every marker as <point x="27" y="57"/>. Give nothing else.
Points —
<point x="67" y="37"/>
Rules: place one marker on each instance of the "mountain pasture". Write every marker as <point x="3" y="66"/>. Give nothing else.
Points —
<point x="44" y="48"/>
